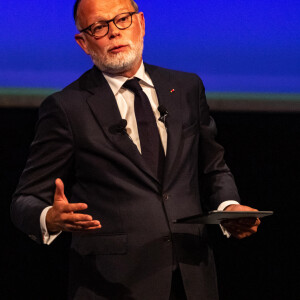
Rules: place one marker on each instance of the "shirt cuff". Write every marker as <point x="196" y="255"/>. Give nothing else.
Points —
<point x="224" y="204"/>
<point x="221" y="207"/>
<point x="47" y="238"/>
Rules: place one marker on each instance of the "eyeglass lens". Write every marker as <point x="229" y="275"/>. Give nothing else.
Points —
<point x="122" y="21"/>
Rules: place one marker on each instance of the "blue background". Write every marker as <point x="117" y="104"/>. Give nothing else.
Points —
<point x="235" y="46"/>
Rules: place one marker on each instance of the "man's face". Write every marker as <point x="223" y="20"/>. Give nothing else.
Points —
<point x="120" y="51"/>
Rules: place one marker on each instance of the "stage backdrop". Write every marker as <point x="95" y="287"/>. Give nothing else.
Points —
<point x="235" y="46"/>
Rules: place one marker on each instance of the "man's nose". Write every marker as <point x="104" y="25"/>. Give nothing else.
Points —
<point x="113" y="30"/>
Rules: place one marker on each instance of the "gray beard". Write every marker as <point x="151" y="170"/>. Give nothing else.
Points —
<point x="119" y="62"/>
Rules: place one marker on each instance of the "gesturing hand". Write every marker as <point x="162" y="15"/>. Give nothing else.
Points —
<point x="243" y="227"/>
<point x="62" y="217"/>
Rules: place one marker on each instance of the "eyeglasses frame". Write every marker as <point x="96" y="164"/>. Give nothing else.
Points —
<point x="89" y="32"/>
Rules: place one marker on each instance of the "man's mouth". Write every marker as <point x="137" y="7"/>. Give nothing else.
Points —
<point x="118" y="48"/>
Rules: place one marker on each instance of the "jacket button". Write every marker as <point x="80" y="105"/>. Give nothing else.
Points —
<point x="165" y="197"/>
<point x="167" y="239"/>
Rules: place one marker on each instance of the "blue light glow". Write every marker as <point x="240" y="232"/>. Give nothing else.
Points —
<point x="235" y="46"/>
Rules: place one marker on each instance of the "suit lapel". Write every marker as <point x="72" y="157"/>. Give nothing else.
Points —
<point x="168" y="95"/>
<point x="104" y="107"/>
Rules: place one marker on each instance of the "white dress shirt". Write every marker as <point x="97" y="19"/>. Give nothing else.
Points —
<point x="125" y="102"/>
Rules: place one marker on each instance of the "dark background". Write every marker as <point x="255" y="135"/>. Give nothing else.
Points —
<point x="262" y="150"/>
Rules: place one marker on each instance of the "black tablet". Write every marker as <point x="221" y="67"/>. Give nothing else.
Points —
<point x="216" y="217"/>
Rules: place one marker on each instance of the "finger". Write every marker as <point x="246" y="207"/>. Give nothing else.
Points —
<point x="89" y="224"/>
<point x="241" y="235"/>
<point x="80" y="227"/>
<point x="247" y="228"/>
<point x="59" y="191"/>
<point x="241" y="228"/>
<point x="73" y="227"/>
<point x="239" y="232"/>
<point x="73" y="218"/>
<point x="249" y="221"/>
<point x="71" y="207"/>
<point x="242" y="221"/>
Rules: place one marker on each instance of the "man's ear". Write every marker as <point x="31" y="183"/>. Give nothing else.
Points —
<point x="142" y="21"/>
<point x="81" y="42"/>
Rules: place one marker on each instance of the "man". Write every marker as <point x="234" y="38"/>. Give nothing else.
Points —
<point x="97" y="138"/>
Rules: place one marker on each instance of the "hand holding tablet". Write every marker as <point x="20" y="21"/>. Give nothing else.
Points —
<point x="216" y="217"/>
<point x="238" y="220"/>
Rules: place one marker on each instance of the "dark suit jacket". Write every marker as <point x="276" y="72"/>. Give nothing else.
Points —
<point x="133" y="254"/>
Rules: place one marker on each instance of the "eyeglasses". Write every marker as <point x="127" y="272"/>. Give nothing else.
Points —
<point x="101" y="28"/>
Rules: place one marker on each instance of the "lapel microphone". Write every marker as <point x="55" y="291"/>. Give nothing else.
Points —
<point x="163" y="113"/>
<point x="119" y="128"/>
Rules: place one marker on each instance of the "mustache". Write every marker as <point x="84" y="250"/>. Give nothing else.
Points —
<point x="120" y="43"/>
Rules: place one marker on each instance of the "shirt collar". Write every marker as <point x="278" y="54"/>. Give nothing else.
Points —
<point x="116" y="82"/>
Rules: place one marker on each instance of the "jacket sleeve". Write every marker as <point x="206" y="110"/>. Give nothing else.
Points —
<point x="51" y="156"/>
<point x="216" y="181"/>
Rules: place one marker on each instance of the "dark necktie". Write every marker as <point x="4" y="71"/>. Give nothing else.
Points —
<point x="151" y="147"/>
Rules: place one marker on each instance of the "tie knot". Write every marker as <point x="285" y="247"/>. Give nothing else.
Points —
<point x="133" y="85"/>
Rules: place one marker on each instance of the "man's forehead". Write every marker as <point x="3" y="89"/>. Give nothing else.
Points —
<point x="106" y="9"/>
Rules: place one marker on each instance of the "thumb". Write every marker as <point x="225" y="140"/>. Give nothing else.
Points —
<point x="59" y="191"/>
